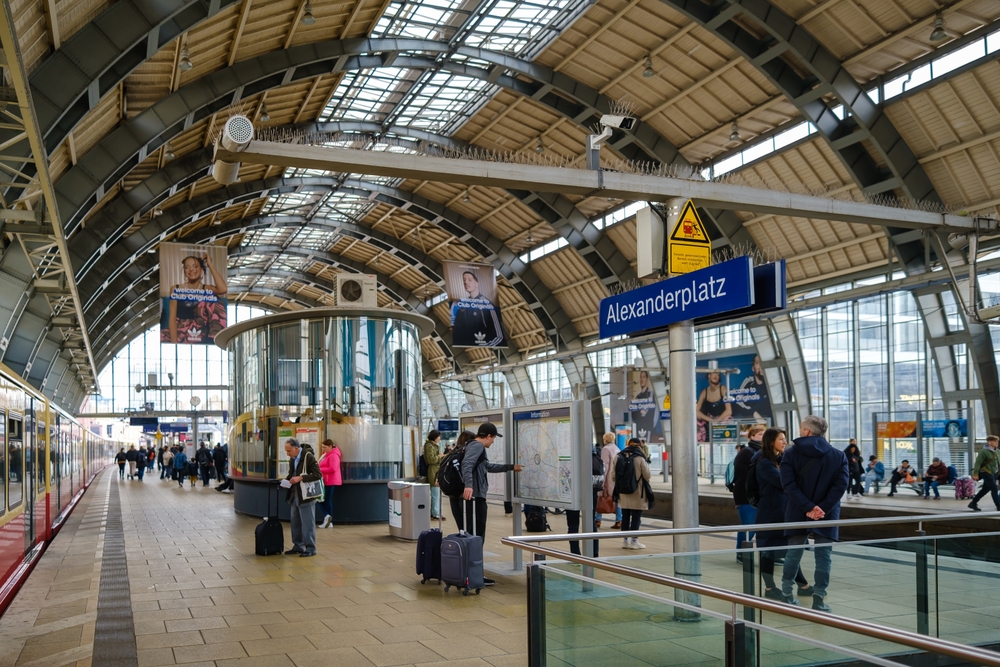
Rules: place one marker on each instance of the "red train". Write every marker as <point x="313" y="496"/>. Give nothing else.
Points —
<point x="47" y="459"/>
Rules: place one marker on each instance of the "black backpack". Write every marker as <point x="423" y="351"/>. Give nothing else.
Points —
<point x="625" y="477"/>
<point x="535" y="520"/>
<point x="449" y="475"/>
<point x="204" y="457"/>
<point x="752" y="485"/>
<point x="422" y="466"/>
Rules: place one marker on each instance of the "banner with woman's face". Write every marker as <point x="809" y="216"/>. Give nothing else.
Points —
<point x="192" y="293"/>
<point x="475" y="313"/>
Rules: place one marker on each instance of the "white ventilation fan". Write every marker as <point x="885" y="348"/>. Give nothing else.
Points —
<point x="355" y="290"/>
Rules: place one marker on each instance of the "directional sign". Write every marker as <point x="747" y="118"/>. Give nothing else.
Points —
<point x="769" y="293"/>
<point x="688" y="248"/>
<point x="716" y="289"/>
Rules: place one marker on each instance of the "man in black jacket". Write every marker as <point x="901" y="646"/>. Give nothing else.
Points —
<point x="741" y="468"/>
<point x="204" y="458"/>
<point x="221" y="460"/>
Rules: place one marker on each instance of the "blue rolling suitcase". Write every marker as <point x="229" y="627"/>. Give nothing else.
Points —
<point x="462" y="560"/>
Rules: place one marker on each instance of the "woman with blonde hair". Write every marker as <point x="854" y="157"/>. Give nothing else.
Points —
<point x="329" y="465"/>
<point x="608" y="453"/>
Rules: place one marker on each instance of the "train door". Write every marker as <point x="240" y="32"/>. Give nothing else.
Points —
<point x="30" y="463"/>
<point x="15" y="449"/>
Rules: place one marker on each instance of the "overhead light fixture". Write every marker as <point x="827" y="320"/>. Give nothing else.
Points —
<point x="938" y="33"/>
<point x="649" y="71"/>
<point x="264" y="115"/>
<point x="307" y="15"/>
<point x="735" y="134"/>
<point x="378" y="260"/>
<point x="168" y="152"/>
<point x="185" y="63"/>
<point x="540" y="148"/>
<point x="528" y="239"/>
<point x="466" y="198"/>
<point x="157" y="212"/>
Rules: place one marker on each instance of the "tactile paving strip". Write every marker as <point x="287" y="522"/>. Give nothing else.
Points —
<point x="114" y="635"/>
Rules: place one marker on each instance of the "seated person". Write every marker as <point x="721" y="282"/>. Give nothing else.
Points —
<point x="875" y="472"/>
<point x="904" y="473"/>
<point x="937" y="473"/>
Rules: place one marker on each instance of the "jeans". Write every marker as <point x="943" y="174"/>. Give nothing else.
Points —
<point x="121" y="471"/>
<point x="435" y="501"/>
<point x="869" y="478"/>
<point x="990" y="487"/>
<point x="767" y="559"/>
<point x="180" y="473"/>
<point x="824" y="562"/>
<point x="748" y="516"/>
<point x="631" y="520"/>
<point x="204" y="470"/>
<point x="303" y="524"/>
<point x="854" y="482"/>
<point x="474" y="514"/>
<point x="220" y="474"/>
<point x="141" y="472"/>
<point x="933" y="484"/>
<point x="327" y="501"/>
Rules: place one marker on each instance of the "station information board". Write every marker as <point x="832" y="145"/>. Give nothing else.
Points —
<point x="546" y="440"/>
<point x="500" y="486"/>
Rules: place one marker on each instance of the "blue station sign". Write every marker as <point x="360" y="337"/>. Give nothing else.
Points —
<point x="717" y="289"/>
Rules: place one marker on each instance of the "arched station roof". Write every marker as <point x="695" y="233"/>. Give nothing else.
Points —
<point x="801" y="95"/>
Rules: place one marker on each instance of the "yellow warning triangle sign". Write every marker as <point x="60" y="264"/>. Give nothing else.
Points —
<point x="690" y="228"/>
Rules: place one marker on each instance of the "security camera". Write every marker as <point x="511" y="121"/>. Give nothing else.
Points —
<point x="618" y="122"/>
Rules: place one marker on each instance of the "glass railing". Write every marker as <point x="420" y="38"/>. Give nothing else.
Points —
<point x="888" y="598"/>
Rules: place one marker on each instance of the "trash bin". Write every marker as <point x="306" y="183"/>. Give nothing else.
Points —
<point x="409" y="509"/>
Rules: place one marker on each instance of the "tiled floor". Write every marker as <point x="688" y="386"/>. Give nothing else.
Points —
<point x="200" y="596"/>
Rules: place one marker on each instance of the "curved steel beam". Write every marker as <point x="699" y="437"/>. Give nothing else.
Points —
<point x="122" y="149"/>
<point x="780" y="49"/>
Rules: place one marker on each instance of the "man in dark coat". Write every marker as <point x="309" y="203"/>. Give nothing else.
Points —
<point x="815" y="477"/>
<point x="221" y="459"/>
<point x="741" y="469"/>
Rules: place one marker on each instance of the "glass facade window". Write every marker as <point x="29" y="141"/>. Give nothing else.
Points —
<point x="550" y="382"/>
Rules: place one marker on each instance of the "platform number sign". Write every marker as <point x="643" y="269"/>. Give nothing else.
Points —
<point x="688" y="247"/>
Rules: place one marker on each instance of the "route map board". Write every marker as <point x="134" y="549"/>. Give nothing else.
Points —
<point x="544" y="445"/>
<point x="497" y="453"/>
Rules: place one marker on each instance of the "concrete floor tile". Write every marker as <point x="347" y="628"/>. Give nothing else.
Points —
<point x="280" y="645"/>
<point x="156" y="657"/>
<point x="406" y="653"/>
<point x="339" y="657"/>
<point x="169" y="639"/>
<point x="245" y="633"/>
<point x="209" y="652"/>
<point x="195" y="624"/>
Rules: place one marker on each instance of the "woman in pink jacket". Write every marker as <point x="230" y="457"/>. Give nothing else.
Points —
<point x="329" y="465"/>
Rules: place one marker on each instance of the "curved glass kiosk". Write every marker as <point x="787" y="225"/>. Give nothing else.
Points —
<point x="350" y="375"/>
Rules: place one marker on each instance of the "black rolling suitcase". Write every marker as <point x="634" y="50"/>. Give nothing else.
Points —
<point x="269" y="536"/>
<point x="429" y="554"/>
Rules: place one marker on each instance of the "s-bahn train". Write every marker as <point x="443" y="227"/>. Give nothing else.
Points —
<point x="47" y="460"/>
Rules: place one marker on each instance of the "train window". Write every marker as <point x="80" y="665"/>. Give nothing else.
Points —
<point x="3" y="462"/>
<point x="15" y="460"/>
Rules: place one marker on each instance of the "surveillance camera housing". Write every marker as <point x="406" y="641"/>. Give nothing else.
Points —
<point x="618" y="122"/>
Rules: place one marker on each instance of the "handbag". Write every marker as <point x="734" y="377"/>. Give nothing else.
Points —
<point x="311" y="490"/>
<point x="605" y="504"/>
<point x="910" y="479"/>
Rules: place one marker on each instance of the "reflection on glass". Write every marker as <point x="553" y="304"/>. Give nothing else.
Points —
<point x="15" y="455"/>
<point x="4" y="470"/>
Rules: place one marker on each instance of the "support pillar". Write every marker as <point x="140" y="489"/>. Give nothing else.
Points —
<point x="684" y="440"/>
<point x="683" y="446"/>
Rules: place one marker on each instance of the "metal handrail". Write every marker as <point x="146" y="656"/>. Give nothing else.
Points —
<point x="875" y="631"/>
<point x="756" y="527"/>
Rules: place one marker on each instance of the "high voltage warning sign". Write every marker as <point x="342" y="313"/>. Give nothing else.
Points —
<point x="688" y="247"/>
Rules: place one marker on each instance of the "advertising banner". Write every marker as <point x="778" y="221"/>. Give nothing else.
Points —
<point x="192" y="293"/>
<point x="945" y="428"/>
<point x="743" y="396"/>
<point x="475" y="310"/>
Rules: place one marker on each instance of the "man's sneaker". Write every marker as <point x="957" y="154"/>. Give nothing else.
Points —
<point x="791" y="600"/>
<point x="819" y="605"/>
<point x="488" y="582"/>
<point x="974" y="507"/>
<point x="626" y="544"/>
<point x="636" y="544"/>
